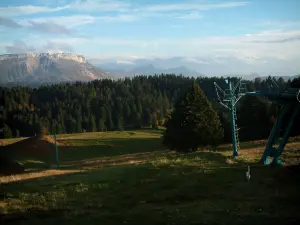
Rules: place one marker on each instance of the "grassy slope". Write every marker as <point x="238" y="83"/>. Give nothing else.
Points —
<point x="128" y="178"/>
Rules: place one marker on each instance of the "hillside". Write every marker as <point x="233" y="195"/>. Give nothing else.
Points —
<point x="46" y="68"/>
<point x="143" y="101"/>
<point x="130" y="178"/>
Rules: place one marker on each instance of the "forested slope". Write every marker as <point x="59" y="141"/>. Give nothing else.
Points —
<point x="142" y="101"/>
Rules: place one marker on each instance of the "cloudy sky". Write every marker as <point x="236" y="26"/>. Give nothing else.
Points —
<point x="246" y="34"/>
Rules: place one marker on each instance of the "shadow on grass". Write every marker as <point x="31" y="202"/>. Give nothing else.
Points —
<point x="78" y="151"/>
<point x="243" y="146"/>
<point x="83" y="149"/>
<point x="195" y="188"/>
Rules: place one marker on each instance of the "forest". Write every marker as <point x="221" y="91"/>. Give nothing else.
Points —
<point x="129" y="103"/>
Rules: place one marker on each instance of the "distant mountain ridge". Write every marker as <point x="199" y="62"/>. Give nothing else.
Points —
<point x="285" y="78"/>
<point x="46" y="68"/>
<point x="209" y="65"/>
<point x="149" y="69"/>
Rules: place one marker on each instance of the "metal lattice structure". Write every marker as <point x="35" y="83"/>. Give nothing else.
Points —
<point x="289" y="100"/>
<point x="229" y="98"/>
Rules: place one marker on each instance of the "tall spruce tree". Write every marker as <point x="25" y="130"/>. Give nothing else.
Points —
<point x="193" y="123"/>
<point x="7" y="133"/>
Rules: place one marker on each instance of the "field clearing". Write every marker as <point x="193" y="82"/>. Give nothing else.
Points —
<point x="130" y="178"/>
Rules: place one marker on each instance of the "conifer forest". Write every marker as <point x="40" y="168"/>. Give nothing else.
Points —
<point x="129" y="103"/>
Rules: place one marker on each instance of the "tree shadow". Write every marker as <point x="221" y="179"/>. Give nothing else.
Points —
<point x="79" y="152"/>
<point x="93" y="148"/>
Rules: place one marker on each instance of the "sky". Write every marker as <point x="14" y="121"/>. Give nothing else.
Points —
<point x="246" y="34"/>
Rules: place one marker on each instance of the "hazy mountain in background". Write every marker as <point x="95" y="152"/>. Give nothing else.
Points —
<point x="118" y="70"/>
<point x="41" y="68"/>
<point x="248" y="68"/>
<point x="46" y="68"/>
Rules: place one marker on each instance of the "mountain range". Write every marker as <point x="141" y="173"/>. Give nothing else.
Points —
<point x="211" y="65"/>
<point x="46" y="68"/>
<point x="149" y="69"/>
<point x="41" y="68"/>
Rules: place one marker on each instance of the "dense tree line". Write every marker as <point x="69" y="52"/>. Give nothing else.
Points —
<point x="130" y="103"/>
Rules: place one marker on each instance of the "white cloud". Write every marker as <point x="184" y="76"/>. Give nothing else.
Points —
<point x="121" y="6"/>
<point x="117" y="18"/>
<point x="100" y="5"/>
<point x="125" y="62"/>
<point x="188" y="16"/>
<point x="126" y="12"/>
<point x="9" y="23"/>
<point x="27" y="10"/>
<point x="68" y="21"/>
<point x="273" y="36"/>
<point x="281" y="24"/>
<point x="57" y="47"/>
<point x="245" y="48"/>
<point x="134" y="11"/>
<point x="19" y="47"/>
<point x="194" y="60"/>
<point x="49" y="28"/>
<point x="80" y="20"/>
<point x="192" y="6"/>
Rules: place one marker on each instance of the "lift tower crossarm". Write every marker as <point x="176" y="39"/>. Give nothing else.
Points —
<point x="218" y="96"/>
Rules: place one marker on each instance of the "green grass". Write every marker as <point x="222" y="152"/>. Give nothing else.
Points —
<point x="131" y="179"/>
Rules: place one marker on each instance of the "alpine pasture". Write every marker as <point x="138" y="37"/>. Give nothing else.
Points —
<point x="128" y="177"/>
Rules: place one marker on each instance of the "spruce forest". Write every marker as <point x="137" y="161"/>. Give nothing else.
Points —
<point x="130" y="103"/>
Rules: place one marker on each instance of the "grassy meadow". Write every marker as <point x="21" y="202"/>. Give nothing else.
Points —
<point x="128" y="177"/>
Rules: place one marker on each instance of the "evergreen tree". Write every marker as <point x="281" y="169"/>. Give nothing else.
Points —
<point x="109" y="122"/>
<point x="192" y="123"/>
<point x="154" y="123"/>
<point x="101" y="125"/>
<point x="79" y="124"/>
<point x="102" y="119"/>
<point x="7" y="133"/>
<point x="92" y="124"/>
<point x="119" y="123"/>
<point x="39" y="129"/>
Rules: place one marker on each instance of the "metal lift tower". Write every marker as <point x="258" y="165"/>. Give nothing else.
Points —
<point x="289" y="100"/>
<point x="228" y="99"/>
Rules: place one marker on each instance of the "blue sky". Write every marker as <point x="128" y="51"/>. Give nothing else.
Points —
<point x="254" y="31"/>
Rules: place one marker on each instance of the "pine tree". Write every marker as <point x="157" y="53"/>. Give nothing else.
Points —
<point x="7" y="133"/>
<point x="79" y="124"/>
<point x="154" y="123"/>
<point x="119" y="123"/>
<point x="92" y="124"/>
<point x="109" y="122"/>
<point x="101" y="125"/>
<point x="192" y="123"/>
<point x="102" y="119"/>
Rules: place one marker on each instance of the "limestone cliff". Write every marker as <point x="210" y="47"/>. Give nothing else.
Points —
<point x="46" y="67"/>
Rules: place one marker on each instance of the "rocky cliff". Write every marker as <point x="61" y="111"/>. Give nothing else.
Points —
<point x="46" y="68"/>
